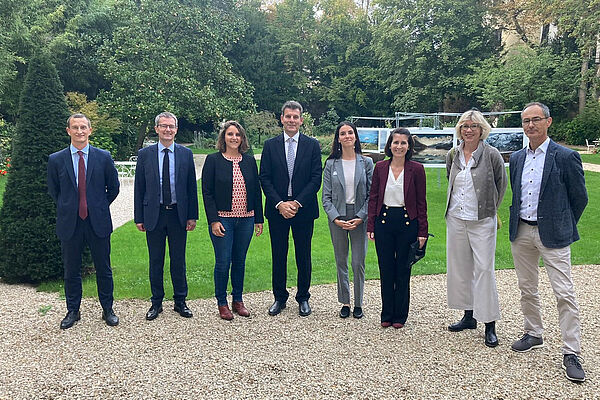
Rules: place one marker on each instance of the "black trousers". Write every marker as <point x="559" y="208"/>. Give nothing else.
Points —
<point x="168" y="226"/>
<point x="302" y="231"/>
<point x="72" y="251"/>
<point x="394" y="232"/>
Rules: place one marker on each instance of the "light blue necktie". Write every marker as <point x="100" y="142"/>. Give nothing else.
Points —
<point x="291" y="157"/>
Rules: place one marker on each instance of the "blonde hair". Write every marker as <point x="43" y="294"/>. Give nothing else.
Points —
<point x="478" y="118"/>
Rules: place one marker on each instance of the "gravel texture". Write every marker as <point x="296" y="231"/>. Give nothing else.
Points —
<point x="287" y="356"/>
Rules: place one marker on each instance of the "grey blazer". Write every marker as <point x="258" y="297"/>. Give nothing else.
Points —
<point x="334" y="187"/>
<point x="488" y="174"/>
<point x="563" y="195"/>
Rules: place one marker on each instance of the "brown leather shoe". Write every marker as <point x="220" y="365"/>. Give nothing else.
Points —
<point x="239" y="308"/>
<point x="225" y="312"/>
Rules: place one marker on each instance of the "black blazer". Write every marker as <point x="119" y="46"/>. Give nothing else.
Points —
<point x="102" y="187"/>
<point x="146" y="200"/>
<point x="306" y="179"/>
<point x="217" y="186"/>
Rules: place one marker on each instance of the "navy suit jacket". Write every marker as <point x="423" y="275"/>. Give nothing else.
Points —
<point x="306" y="179"/>
<point x="102" y="187"/>
<point x="147" y="186"/>
<point x="563" y="195"/>
<point x="415" y="196"/>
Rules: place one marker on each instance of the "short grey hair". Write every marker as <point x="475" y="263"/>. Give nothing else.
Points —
<point x="165" y="114"/>
<point x="477" y="117"/>
<point x="294" y="105"/>
<point x="544" y="108"/>
<point x="78" y="115"/>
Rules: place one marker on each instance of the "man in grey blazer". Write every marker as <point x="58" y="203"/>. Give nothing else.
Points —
<point x="549" y="196"/>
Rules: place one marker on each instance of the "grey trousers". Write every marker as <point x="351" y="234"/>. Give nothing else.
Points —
<point x="358" y="242"/>
<point x="527" y="250"/>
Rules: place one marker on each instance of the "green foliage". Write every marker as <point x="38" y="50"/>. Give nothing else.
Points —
<point x="426" y="48"/>
<point x="327" y="123"/>
<point x="526" y="75"/>
<point x="6" y="135"/>
<point x="308" y="126"/>
<point x="104" y="128"/>
<point x="584" y="126"/>
<point x="168" y="55"/>
<point x="29" y="248"/>
<point x="325" y="143"/>
<point x="260" y="126"/>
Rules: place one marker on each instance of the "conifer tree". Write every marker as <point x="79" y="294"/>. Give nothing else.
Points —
<point x="29" y="248"/>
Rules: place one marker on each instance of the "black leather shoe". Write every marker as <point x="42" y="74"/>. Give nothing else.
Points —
<point x="466" y="322"/>
<point x="70" y="319"/>
<point x="304" y="309"/>
<point x="276" y="307"/>
<point x="153" y="312"/>
<point x="491" y="340"/>
<point x="357" y="312"/>
<point x="183" y="310"/>
<point x="110" y="317"/>
<point x="345" y="312"/>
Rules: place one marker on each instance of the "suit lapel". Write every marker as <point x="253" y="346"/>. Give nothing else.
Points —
<point x="68" y="159"/>
<point x="519" y="164"/>
<point x="408" y="177"/>
<point x="280" y="150"/>
<point x="358" y="168"/>
<point x="338" y="167"/>
<point x="90" y="164"/>
<point x="548" y="163"/>
<point x="154" y="164"/>
<point x="299" y="152"/>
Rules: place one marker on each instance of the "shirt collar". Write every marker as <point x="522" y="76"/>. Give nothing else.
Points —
<point x="161" y="147"/>
<point x="85" y="150"/>
<point x="542" y="147"/>
<point x="294" y="138"/>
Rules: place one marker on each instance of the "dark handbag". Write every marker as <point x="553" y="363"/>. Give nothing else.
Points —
<point x="415" y="253"/>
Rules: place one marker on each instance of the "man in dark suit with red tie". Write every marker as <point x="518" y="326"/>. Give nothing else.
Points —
<point x="290" y="175"/>
<point x="166" y="206"/>
<point x="83" y="181"/>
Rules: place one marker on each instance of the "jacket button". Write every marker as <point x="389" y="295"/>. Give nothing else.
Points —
<point x="407" y="223"/>
<point x="405" y="215"/>
<point x="383" y="221"/>
<point x="385" y="214"/>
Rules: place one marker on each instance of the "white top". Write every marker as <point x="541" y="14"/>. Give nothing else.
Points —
<point x="463" y="200"/>
<point x="394" y="190"/>
<point x="349" y="166"/>
<point x="531" y="181"/>
<point x="286" y="141"/>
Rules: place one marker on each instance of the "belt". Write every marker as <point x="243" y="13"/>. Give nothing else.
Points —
<point x="532" y="223"/>
<point x="168" y="207"/>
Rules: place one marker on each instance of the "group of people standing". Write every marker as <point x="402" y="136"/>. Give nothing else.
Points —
<point x="385" y="203"/>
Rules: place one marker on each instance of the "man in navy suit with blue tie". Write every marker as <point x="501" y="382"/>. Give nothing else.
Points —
<point x="166" y="206"/>
<point x="83" y="181"/>
<point x="290" y="175"/>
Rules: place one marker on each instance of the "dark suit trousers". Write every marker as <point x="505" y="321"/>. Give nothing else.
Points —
<point x="392" y="241"/>
<point x="302" y="231"/>
<point x="168" y="226"/>
<point x="72" y="251"/>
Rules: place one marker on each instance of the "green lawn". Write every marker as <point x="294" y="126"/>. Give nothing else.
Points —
<point x="130" y="256"/>
<point x="591" y="158"/>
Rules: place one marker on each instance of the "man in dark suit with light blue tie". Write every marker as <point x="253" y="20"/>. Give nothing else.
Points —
<point x="83" y="181"/>
<point x="166" y="206"/>
<point x="549" y="196"/>
<point x="290" y="175"/>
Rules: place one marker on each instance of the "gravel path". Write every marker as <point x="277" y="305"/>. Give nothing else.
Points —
<point x="317" y="357"/>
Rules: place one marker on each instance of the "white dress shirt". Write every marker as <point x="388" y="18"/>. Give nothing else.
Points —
<point x="531" y="181"/>
<point x="463" y="201"/>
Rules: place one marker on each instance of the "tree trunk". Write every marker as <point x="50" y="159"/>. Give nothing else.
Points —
<point x="595" y="92"/>
<point x="141" y="135"/>
<point x="583" y="83"/>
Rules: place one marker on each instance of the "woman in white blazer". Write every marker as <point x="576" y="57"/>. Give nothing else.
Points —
<point x="346" y="186"/>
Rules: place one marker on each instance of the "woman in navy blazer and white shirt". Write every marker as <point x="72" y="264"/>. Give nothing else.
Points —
<point x="233" y="205"/>
<point x="346" y="185"/>
<point x="397" y="217"/>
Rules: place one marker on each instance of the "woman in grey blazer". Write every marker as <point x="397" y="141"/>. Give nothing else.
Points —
<point x="476" y="184"/>
<point x="346" y="186"/>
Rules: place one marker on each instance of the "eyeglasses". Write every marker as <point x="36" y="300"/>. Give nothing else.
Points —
<point x="535" y="120"/>
<point x="165" y="126"/>
<point x="472" y="127"/>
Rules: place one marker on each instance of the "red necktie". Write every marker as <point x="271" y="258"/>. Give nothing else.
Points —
<point x="83" y="211"/>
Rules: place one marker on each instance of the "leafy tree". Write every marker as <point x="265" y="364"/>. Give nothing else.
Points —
<point x="260" y="126"/>
<point x="168" y="55"/>
<point x="327" y="123"/>
<point x="425" y="49"/>
<point x="525" y="75"/>
<point x="29" y="248"/>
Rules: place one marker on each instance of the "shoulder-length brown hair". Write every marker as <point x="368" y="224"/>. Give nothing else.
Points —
<point x="221" y="146"/>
